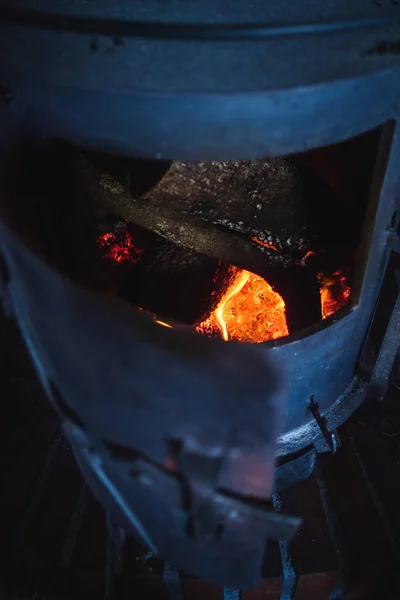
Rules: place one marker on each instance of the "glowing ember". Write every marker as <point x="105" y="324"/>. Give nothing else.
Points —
<point x="308" y="255"/>
<point x="265" y="244"/>
<point x="249" y="311"/>
<point x="119" y="246"/>
<point x="335" y="293"/>
<point x="163" y="323"/>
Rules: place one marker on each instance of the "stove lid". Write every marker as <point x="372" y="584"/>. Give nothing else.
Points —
<point x="200" y="80"/>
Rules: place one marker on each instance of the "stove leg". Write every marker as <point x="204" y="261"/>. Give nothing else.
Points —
<point x="290" y="574"/>
<point x="115" y="544"/>
<point x="173" y="583"/>
<point x="37" y="490"/>
<point x="73" y="530"/>
<point x="380" y="378"/>
<point x="380" y="506"/>
<point x="335" y="532"/>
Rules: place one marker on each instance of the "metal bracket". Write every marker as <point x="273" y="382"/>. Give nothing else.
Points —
<point x="209" y="509"/>
<point x="201" y="467"/>
<point x="294" y="470"/>
<point x="321" y="444"/>
<point x="329" y="438"/>
<point x="393" y="242"/>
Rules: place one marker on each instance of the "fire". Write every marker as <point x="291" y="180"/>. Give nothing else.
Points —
<point x="119" y="246"/>
<point x="163" y="323"/>
<point x="249" y="311"/>
<point x="265" y="244"/>
<point x="335" y="293"/>
<point x="307" y="255"/>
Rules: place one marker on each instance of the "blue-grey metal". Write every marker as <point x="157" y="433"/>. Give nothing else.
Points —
<point x="324" y="363"/>
<point x="195" y="513"/>
<point x="294" y="470"/>
<point x="232" y="594"/>
<point x="290" y="573"/>
<point x="307" y="77"/>
<point x="94" y="473"/>
<point x="198" y="80"/>
<point x="201" y="81"/>
<point x="380" y="378"/>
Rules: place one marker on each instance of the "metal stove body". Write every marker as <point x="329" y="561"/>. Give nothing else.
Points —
<point x="304" y="79"/>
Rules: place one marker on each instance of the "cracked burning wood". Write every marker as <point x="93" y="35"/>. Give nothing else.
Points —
<point x="172" y="220"/>
<point x="262" y="199"/>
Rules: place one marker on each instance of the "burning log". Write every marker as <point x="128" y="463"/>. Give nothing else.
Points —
<point x="261" y="199"/>
<point x="249" y="311"/>
<point x="171" y="216"/>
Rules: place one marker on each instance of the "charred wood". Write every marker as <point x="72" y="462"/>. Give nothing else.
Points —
<point x="295" y="282"/>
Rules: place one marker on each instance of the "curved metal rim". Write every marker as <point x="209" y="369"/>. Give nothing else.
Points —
<point x="298" y="336"/>
<point x="226" y="126"/>
<point x="164" y="31"/>
<point x="338" y="413"/>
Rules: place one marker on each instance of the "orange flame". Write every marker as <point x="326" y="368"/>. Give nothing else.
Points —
<point x="120" y="246"/>
<point x="249" y="311"/>
<point x="307" y="256"/>
<point x="335" y="293"/>
<point x="163" y="323"/>
<point x="265" y="244"/>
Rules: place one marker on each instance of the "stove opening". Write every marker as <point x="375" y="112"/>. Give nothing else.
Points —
<point x="249" y="251"/>
<point x="241" y="305"/>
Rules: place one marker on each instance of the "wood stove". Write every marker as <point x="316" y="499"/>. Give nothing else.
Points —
<point x="93" y="79"/>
